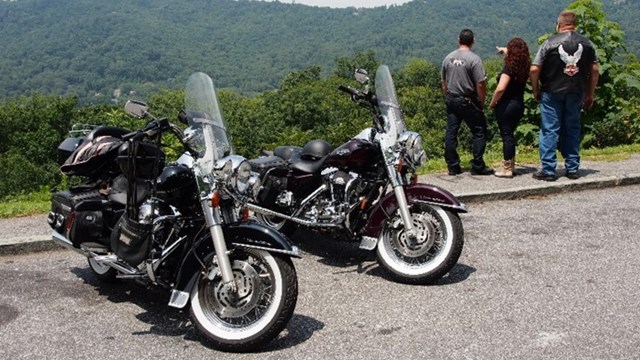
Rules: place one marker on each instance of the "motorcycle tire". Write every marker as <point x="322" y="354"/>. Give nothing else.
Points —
<point x="434" y="252"/>
<point x="284" y="226"/>
<point x="266" y="298"/>
<point x="104" y="273"/>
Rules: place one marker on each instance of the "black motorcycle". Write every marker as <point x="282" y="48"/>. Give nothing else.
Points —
<point x="415" y="227"/>
<point x="182" y="225"/>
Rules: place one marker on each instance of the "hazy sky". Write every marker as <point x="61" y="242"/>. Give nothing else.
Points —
<point x="346" y="3"/>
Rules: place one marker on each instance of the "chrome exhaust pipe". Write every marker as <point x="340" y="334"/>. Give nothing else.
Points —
<point x="109" y="260"/>
<point x="269" y="212"/>
<point x="63" y="241"/>
<point x="112" y="261"/>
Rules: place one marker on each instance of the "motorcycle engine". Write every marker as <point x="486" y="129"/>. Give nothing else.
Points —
<point x="153" y="209"/>
<point x="333" y="205"/>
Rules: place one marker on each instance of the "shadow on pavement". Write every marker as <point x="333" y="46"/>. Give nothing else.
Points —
<point x="168" y="321"/>
<point x="348" y="256"/>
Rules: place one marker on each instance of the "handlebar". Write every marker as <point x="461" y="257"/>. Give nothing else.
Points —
<point x="357" y="95"/>
<point x="152" y="128"/>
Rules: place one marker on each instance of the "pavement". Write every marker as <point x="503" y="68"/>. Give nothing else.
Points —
<point x="32" y="233"/>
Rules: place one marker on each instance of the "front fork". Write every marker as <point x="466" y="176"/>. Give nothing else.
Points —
<point x="403" y="206"/>
<point x="214" y="223"/>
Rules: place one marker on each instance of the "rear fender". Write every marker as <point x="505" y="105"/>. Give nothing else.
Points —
<point x="415" y="193"/>
<point x="245" y="235"/>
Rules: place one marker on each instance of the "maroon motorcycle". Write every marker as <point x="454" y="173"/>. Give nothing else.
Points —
<point x="366" y="190"/>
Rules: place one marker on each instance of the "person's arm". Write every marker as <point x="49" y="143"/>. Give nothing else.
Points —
<point x="502" y="86"/>
<point x="534" y="76"/>
<point x="593" y="82"/>
<point x="481" y="89"/>
<point x="443" y="83"/>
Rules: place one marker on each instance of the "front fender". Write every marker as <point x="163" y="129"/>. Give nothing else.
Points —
<point x="415" y="193"/>
<point x="242" y="235"/>
<point x="258" y="236"/>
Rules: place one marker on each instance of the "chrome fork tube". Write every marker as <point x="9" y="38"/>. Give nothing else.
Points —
<point x="401" y="197"/>
<point x="214" y="222"/>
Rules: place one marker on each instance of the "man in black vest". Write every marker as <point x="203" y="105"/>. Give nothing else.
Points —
<point x="564" y="75"/>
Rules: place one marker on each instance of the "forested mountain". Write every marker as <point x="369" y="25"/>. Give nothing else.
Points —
<point x="102" y="50"/>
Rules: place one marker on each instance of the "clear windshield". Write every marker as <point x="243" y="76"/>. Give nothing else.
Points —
<point x="209" y="132"/>
<point x="389" y="105"/>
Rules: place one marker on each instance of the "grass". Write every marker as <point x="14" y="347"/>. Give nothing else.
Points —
<point x="530" y="156"/>
<point x="40" y="202"/>
<point x="26" y="204"/>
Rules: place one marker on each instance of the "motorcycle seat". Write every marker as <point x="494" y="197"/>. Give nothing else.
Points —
<point x="112" y="131"/>
<point x="118" y="190"/>
<point x="307" y="166"/>
<point x="287" y="152"/>
<point x="262" y="164"/>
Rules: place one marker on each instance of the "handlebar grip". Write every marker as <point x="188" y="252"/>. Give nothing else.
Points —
<point x="350" y="91"/>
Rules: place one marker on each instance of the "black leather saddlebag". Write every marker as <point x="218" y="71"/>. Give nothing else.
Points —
<point x="78" y="216"/>
<point x="131" y="241"/>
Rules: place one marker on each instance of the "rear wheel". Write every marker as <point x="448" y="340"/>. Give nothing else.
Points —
<point x="104" y="273"/>
<point x="284" y="226"/>
<point x="431" y="254"/>
<point x="260" y="308"/>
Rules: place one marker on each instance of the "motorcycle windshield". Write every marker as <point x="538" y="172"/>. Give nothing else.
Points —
<point x="209" y="131"/>
<point x="388" y="103"/>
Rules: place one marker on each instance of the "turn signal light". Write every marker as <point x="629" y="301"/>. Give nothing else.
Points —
<point x="363" y="204"/>
<point x="399" y="165"/>
<point x="215" y="199"/>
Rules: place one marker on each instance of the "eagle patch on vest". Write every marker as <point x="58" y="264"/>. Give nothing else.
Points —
<point x="571" y="61"/>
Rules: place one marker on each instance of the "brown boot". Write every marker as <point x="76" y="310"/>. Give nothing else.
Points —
<point x="513" y="167"/>
<point x="506" y="171"/>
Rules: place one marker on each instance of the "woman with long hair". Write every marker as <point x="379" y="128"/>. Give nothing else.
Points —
<point x="508" y="99"/>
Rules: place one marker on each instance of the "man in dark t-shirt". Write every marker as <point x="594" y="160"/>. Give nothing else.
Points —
<point x="564" y="75"/>
<point x="464" y="86"/>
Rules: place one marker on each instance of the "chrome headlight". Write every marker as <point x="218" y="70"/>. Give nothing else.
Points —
<point x="223" y="170"/>
<point x="235" y="172"/>
<point x="412" y="143"/>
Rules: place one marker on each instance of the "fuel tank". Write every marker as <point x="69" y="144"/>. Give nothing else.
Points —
<point x="357" y="155"/>
<point x="177" y="186"/>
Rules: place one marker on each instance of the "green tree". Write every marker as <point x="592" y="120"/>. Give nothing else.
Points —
<point x="32" y="129"/>
<point x="605" y="124"/>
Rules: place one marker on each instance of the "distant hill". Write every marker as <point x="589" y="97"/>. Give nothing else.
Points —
<point x="103" y="50"/>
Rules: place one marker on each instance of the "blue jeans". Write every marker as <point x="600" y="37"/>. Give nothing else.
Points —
<point x="560" y="123"/>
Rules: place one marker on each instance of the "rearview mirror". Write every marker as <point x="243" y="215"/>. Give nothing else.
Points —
<point x="136" y="108"/>
<point x="362" y="76"/>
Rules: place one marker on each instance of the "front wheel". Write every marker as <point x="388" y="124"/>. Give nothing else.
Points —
<point x="431" y="254"/>
<point x="259" y="309"/>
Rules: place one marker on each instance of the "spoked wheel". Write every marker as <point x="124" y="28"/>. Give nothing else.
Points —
<point x="102" y="272"/>
<point x="284" y="226"/>
<point x="430" y="254"/>
<point x="267" y="290"/>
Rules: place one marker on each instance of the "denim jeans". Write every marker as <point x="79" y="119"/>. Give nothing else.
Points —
<point x="460" y="109"/>
<point x="560" y="123"/>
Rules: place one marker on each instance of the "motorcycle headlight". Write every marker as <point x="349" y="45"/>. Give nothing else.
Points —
<point x="223" y="170"/>
<point x="235" y="172"/>
<point x="412" y="143"/>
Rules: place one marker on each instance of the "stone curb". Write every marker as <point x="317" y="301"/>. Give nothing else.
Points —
<point x="550" y="188"/>
<point x="28" y="244"/>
